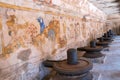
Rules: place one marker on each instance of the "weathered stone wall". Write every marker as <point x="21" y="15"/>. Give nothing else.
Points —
<point x="33" y="31"/>
<point x="114" y="22"/>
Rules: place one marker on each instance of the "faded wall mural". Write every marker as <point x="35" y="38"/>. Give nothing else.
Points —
<point x="29" y="37"/>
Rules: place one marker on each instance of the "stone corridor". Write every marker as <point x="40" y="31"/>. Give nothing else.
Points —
<point x="33" y="31"/>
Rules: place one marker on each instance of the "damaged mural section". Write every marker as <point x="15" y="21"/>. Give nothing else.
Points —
<point x="23" y="42"/>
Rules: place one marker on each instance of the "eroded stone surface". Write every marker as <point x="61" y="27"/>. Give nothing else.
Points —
<point x="24" y="55"/>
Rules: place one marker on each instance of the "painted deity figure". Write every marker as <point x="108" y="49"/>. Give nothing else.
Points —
<point x="42" y="25"/>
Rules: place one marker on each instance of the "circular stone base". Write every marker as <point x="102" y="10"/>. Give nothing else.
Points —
<point x="100" y="60"/>
<point x="88" y="76"/>
<point x="108" y="39"/>
<point x="83" y="66"/>
<point x="93" y="55"/>
<point x="103" y="44"/>
<point x="95" y="49"/>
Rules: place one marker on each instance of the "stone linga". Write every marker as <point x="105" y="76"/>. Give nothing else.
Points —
<point x="102" y="42"/>
<point x="106" y="39"/>
<point x="72" y="68"/>
<point x="92" y="51"/>
<point x="108" y="36"/>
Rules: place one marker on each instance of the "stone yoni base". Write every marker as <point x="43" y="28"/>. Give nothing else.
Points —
<point x="106" y="49"/>
<point x="100" y="60"/>
<point x="96" y="76"/>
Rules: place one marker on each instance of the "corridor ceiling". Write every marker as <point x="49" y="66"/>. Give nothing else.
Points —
<point x="110" y="7"/>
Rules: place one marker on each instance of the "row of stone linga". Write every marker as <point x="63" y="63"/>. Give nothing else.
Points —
<point x="78" y="68"/>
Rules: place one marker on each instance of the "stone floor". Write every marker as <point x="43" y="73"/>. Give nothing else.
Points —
<point x="110" y="69"/>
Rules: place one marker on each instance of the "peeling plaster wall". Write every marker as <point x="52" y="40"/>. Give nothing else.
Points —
<point x="31" y="32"/>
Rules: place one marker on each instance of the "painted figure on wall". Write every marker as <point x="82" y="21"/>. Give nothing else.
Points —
<point x="42" y="25"/>
<point x="77" y="30"/>
<point x="10" y="23"/>
<point x="51" y="34"/>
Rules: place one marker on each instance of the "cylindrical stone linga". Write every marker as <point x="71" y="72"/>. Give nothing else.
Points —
<point x="102" y="42"/>
<point x="111" y="33"/>
<point x="93" y="51"/>
<point x="93" y="44"/>
<point x="72" y="57"/>
<point x="108" y="33"/>
<point x="105" y="35"/>
<point x="101" y="39"/>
